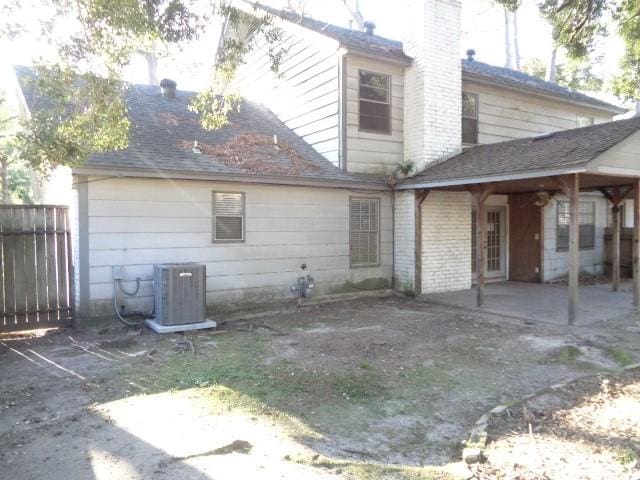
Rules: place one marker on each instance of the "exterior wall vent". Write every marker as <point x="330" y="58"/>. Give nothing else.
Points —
<point x="179" y="291"/>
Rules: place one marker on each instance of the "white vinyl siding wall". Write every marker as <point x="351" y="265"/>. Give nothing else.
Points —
<point x="136" y="223"/>
<point x="306" y="95"/>
<point x="369" y="152"/>
<point x="507" y="115"/>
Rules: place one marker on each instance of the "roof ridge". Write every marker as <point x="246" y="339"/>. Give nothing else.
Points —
<point x="531" y="82"/>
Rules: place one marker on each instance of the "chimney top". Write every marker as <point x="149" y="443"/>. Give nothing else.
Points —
<point x="168" y="88"/>
<point x="471" y="53"/>
<point x="369" y="27"/>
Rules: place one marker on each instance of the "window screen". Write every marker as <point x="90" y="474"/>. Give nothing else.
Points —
<point x="469" y="118"/>
<point x="228" y="217"/>
<point x="586" y="220"/>
<point x="364" y="231"/>
<point x="375" y="102"/>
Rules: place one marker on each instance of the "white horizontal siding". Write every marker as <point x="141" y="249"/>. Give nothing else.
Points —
<point x="304" y="94"/>
<point x="507" y="115"/>
<point x="371" y="152"/>
<point x="137" y="223"/>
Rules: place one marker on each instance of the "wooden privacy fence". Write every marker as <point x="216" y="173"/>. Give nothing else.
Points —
<point x="626" y="251"/>
<point x="36" y="278"/>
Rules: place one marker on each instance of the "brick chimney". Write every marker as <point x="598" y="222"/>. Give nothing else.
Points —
<point x="432" y="124"/>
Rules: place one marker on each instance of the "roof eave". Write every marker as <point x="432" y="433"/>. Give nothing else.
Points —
<point x="456" y="182"/>
<point x="403" y="61"/>
<point x="492" y="81"/>
<point x="358" y="184"/>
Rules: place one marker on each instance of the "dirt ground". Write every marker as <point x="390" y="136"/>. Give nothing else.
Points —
<point x="590" y="429"/>
<point x="368" y="389"/>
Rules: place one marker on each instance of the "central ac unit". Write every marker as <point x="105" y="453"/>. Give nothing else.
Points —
<point x="179" y="291"/>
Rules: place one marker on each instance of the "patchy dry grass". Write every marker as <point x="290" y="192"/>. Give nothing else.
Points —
<point x="587" y="430"/>
<point x="620" y="355"/>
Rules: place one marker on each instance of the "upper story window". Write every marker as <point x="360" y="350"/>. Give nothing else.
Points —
<point x="584" y="121"/>
<point x="469" y="118"/>
<point x="375" y="102"/>
<point x="228" y="217"/>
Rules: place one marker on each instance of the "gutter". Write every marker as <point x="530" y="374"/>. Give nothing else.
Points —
<point x="492" y="82"/>
<point x="234" y="178"/>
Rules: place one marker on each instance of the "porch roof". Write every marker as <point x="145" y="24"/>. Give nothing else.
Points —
<point x="601" y="151"/>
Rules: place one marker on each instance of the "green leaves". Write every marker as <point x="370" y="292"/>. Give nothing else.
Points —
<point x="214" y="109"/>
<point x="576" y="23"/>
<point x="80" y="115"/>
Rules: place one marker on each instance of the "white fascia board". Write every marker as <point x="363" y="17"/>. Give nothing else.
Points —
<point x="490" y="179"/>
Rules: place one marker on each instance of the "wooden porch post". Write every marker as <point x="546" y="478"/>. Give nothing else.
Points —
<point x="615" y="271"/>
<point x="616" y="196"/>
<point x="570" y="186"/>
<point x="479" y="196"/>
<point x="420" y="197"/>
<point x="636" y="243"/>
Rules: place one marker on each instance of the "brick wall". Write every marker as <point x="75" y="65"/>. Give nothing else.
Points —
<point x="433" y="82"/>
<point x="446" y="242"/>
<point x="404" y="241"/>
<point x="556" y="264"/>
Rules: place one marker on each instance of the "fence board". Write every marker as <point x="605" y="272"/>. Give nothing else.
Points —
<point x="36" y="282"/>
<point x="41" y="268"/>
<point x="2" y="286"/>
<point x="31" y="265"/>
<point x="52" y="274"/>
<point x="9" y="268"/>
<point x="61" y="258"/>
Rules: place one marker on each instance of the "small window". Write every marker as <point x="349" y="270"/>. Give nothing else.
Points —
<point x="586" y="220"/>
<point x="584" y="121"/>
<point x="228" y="217"/>
<point x="375" y="102"/>
<point x="364" y="231"/>
<point x="469" y="118"/>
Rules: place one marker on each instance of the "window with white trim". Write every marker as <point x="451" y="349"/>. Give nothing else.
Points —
<point x="364" y="231"/>
<point x="375" y="102"/>
<point x="228" y="217"/>
<point x="586" y="221"/>
<point x="469" y="118"/>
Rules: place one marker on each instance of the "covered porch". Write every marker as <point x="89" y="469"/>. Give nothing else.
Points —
<point x="603" y="158"/>
<point x="543" y="302"/>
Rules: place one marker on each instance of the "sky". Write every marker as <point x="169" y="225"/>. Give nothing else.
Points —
<point x="482" y="30"/>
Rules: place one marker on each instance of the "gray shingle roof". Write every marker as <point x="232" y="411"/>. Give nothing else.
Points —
<point x="163" y="132"/>
<point x="518" y="79"/>
<point x="560" y="150"/>
<point x="374" y="44"/>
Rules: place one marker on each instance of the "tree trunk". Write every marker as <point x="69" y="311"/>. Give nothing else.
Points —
<point x="551" y="70"/>
<point x="516" y="42"/>
<point x="507" y="39"/>
<point x="4" y="164"/>
<point x="152" y="67"/>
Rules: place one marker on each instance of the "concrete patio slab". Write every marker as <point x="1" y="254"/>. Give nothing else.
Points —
<point x="544" y="302"/>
